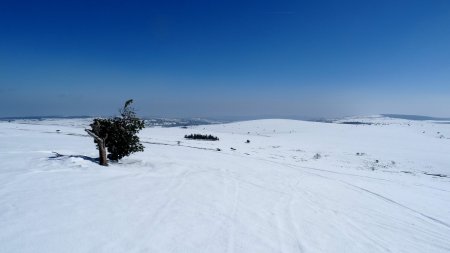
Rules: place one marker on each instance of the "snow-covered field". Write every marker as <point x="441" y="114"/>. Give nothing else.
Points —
<point x="296" y="187"/>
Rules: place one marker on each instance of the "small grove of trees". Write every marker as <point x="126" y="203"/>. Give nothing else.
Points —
<point x="201" y="137"/>
<point x="118" y="135"/>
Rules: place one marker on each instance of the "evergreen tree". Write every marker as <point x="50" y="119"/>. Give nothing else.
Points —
<point x="201" y="137"/>
<point x="118" y="134"/>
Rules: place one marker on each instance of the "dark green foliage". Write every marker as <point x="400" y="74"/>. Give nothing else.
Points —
<point x="120" y="133"/>
<point x="201" y="137"/>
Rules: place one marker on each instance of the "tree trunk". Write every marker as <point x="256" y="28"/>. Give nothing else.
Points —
<point x="101" y="148"/>
<point x="102" y="153"/>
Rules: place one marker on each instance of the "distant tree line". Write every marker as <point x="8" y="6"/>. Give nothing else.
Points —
<point x="201" y="137"/>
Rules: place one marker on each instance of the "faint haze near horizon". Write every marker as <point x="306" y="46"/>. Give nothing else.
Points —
<point x="230" y="59"/>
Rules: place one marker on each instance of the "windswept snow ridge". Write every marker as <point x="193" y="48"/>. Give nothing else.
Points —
<point x="382" y="186"/>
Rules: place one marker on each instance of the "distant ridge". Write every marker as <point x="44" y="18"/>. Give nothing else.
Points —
<point x="413" y="117"/>
<point x="150" y="122"/>
<point x="45" y="117"/>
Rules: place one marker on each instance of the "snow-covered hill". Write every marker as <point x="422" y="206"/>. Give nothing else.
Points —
<point x="298" y="186"/>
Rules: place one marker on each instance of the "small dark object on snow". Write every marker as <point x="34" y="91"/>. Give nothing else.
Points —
<point x="56" y="155"/>
<point x="232" y="148"/>
<point x="218" y="149"/>
<point x="248" y="141"/>
<point x="58" y="131"/>
<point x="435" y="175"/>
<point x="355" y="123"/>
<point x="376" y="161"/>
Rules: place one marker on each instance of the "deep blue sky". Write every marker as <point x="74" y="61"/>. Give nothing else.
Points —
<point x="230" y="58"/>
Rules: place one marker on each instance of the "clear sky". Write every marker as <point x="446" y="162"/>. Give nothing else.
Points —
<point x="225" y="58"/>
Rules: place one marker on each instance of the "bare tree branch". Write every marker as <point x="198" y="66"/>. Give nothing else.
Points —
<point x="93" y="135"/>
<point x="101" y="147"/>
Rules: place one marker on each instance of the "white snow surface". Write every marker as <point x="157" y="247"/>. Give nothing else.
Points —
<point x="296" y="187"/>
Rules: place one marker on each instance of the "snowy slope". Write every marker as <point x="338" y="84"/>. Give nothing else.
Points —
<point x="296" y="187"/>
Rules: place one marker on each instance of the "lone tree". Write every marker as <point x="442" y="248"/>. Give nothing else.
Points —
<point x="118" y="135"/>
